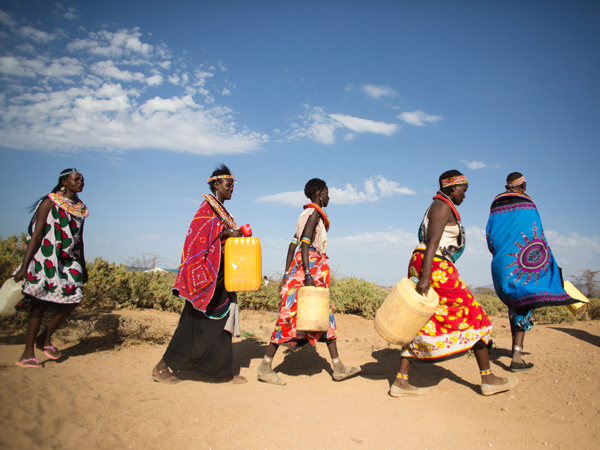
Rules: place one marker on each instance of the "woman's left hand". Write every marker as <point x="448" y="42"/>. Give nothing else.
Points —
<point x="229" y="233"/>
<point x="310" y="282"/>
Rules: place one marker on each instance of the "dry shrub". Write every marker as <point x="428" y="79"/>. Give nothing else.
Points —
<point x="115" y="330"/>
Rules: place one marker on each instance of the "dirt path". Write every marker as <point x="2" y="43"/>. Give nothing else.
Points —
<point x="105" y="400"/>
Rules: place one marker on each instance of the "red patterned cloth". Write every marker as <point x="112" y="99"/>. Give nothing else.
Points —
<point x="459" y="321"/>
<point x="197" y="276"/>
<point x="285" y="328"/>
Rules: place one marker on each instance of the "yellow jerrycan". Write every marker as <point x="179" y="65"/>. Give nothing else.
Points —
<point x="405" y="312"/>
<point x="243" y="264"/>
<point x="312" y="314"/>
<point x="577" y="295"/>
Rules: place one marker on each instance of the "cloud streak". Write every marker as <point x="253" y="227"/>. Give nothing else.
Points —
<point x="373" y="189"/>
<point x="419" y="118"/>
<point x="378" y="92"/>
<point x="323" y="128"/>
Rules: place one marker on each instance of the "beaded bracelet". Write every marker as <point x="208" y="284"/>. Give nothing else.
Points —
<point x="306" y="241"/>
<point x="295" y="240"/>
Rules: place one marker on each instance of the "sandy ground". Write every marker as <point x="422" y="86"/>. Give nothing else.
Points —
<point x="104" y="399"/>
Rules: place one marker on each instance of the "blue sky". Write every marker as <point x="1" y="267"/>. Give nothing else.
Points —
<point x="376" y="98"/>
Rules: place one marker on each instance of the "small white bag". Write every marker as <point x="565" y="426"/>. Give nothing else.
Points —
<point x="10" y="295"/>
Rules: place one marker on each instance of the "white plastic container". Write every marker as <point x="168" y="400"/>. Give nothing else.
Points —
<point x="10" y="295"/>
<point x="312" y="313"/>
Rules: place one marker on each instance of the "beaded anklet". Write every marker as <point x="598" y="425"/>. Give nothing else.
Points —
<point x="486" y="372"/>
<point x="403" y="376"/>
<point x="336" y="360"/>
<point x="267" y="359"/>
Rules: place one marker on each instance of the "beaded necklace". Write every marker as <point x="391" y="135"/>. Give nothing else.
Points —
<point x="320" y="210"/>
<point x="513" y="194"/>
<point x="443" y="197"/>
<point x="221" y="211"/>
<point x="76" y="209"/>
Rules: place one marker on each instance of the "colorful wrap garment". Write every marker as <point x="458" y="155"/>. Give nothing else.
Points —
<point x="199" y="269"/>
<point x="285" y="328"/>
<point x="55" y="274"/>
<point x="459" y="321"/>
<point x="524" y="271"/>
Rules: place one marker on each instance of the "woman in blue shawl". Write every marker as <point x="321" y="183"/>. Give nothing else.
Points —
<point x="524" y="271"/>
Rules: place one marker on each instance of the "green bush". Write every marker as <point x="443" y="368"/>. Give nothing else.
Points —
<point x="12" y="251"/>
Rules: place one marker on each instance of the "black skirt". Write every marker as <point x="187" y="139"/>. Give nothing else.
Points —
<point x="200" y="345"/>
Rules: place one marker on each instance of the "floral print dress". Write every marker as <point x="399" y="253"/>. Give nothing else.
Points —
<point x="55" y="274"/>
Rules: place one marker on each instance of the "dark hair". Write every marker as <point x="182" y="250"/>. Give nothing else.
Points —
<point x="448" y="174"/>
<point x="313" y="186"/>
<point x="221" y="169"/>
<point x="513" y="176"/>
<point x="62" y="177"/>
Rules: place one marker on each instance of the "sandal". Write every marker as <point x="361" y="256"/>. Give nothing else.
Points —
<point x="520" y="367"/>
<point x="269" y="376"/>
<point x="491" y="389"/>
<point x="238" y="379"/>
<point x="344" y="372"/>
<point x="396" y="391"/>
<point x="50" y="351"/>
<point x="156" y="376"/>
<point x="35" y="363"/>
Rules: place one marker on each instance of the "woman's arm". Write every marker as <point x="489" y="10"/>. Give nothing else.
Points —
<point x="83" y="264"/>
<point x="36" y="238"/>
<point x="229" y="233"/>
<point x="440" y="214"/>
<point x="309" y="231"/>
<point x="288" y="260"/>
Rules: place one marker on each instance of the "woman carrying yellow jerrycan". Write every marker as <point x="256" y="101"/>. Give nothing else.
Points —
<point x="459" y="323"/>
<point x="308" y="267"/>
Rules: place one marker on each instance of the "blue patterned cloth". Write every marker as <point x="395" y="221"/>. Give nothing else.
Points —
<point x="524" y="271"/>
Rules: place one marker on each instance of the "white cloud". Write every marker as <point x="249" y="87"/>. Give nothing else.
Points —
<point x="377" y="92"/>
<point x="418" y="118"/>
<point x="83" y="94"/>
<point x="226" y="92"/>
<point x="573" y="241"/>
<point x="374" y="188"/>
<point x="6" y="19"/>
<point x="364" y="125"/>
<point x="475" y="164"/>
<point x="321" y="127"/>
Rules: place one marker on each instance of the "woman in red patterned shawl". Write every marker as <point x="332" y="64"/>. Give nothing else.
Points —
<point x="459" y="323"/>
<point x="202" y="341"/>
<point x="308" y="267"/>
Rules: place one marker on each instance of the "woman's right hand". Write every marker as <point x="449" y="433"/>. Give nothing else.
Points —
<point x="310" y="282"/>
<point x="423" y="286"/>
<point x="20" y="274"/>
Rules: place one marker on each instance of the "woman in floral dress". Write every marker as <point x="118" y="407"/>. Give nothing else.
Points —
<point x="308" y="267"/>
<point x="53" y="269"/>
<point x="460" y="323"/>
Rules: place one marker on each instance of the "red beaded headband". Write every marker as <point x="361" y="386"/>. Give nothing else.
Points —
<point x="515" y="183"/>
<point x="459" y="179"/>
<point x="222" y="176"/>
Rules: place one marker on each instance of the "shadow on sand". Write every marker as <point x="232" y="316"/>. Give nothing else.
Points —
<point x="581" y="335"/>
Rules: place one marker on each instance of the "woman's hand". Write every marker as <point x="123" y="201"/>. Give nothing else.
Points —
<point x="423" y="286"/>
<point x="229" y="233"/>
<point x="20" y="275"/>
<point x="310" y="282"/>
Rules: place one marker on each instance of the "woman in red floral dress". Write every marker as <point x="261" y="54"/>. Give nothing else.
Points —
<point x="53" y="269"/>
<point x="459" y="323"/>
<point x="308" y="267"/>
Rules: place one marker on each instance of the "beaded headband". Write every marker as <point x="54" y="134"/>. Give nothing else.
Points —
<point x="218" y="177"/>
<point x="459" y="179"/>
<point x="519" y="181"/>
<point x="70" y="172"/>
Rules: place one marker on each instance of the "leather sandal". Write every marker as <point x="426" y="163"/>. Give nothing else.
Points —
<point x="396" y="391"/>
<point x="156" y="376"/>
<point x="345" y="372"/>
<point x="520" y="367"/>
<point x="491" y="389"/>
<point x="269" y="377"/>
